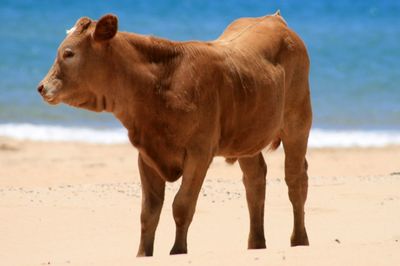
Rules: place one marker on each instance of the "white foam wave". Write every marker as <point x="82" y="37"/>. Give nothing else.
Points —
<point x="319" y="138"/>
<point x="61" y="133"/>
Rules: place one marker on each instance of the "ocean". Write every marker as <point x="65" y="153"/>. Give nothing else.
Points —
<point x="354" y="48"/>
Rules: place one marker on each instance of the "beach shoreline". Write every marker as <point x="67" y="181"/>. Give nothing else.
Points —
<point x="36" y="161"/>
<point x="319" y="137"/>
<point x="66" y="203"/>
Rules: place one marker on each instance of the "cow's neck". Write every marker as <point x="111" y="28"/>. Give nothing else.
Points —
<point x="153" y="49"/>
<point x="144" y="64"/>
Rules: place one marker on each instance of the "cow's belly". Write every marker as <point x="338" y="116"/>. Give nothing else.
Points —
<point x="248" y="142"/>
<point x="247" y="131"/>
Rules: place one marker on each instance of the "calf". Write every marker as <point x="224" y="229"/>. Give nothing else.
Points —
<point x="185" y="102"/>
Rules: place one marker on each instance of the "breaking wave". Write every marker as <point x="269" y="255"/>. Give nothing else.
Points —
<point x="62" y="133"/>
<point x="319" y="138"/>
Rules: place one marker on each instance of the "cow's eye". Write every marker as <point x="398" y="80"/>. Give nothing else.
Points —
<point x="68" y="53"/>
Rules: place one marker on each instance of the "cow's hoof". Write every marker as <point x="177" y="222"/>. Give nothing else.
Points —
<point x="144" y="254"/>
<point x="178" y="250"/>
<point x="257" y="244"/>
<point x="299" y="240"/>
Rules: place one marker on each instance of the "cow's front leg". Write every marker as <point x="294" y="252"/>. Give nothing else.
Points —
<point x="184" y="204"/>
<point x="153" y="187"/>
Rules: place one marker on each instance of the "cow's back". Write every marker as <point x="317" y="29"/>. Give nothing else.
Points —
<point x="262" y="35"/>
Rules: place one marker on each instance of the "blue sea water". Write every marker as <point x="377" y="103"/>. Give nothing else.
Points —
<point x="354" y="48"/>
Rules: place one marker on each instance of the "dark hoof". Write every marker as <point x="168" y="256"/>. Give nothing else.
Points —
<point x="299" y="240"/>
<point x="143" y="254"/>
<point x="299" y="243"/>
<point x="256" y="241"/>
<point x="177" y="251"/>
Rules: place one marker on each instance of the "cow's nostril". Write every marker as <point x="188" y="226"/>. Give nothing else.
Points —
<point x="40" y="89"/>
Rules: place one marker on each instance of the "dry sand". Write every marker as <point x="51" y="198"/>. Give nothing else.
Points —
<point x="79" y="204"/>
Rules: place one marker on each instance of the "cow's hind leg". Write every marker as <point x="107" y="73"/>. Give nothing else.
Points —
<point x="297" y="181"/>
<point x="254" y="179"/>
<point x="294" y="139"/>
<point x="296" y="127"/>
<point x="153" y="187"/>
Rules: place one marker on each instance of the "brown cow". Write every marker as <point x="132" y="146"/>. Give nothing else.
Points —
<point x="185" y="102"/>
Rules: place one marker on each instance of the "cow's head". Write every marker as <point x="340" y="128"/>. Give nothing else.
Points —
<point x="81" y="65"/>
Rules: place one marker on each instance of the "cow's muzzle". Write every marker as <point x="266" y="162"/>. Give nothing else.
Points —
<point x="40" y="89"/>
<point x="48" y="93"/>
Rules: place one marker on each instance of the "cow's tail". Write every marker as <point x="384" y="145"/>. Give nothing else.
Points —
<point x="274" y="144"/>
<point x="231" y="160"/>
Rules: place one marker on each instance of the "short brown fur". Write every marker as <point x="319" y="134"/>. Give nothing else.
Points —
<point x="185" y="102"/>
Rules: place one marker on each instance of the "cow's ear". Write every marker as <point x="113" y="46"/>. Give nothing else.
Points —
<point x="106" y="28"/>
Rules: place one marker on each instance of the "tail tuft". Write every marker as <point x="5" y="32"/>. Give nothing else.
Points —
<point x="231" y="160"/>
<point x="274" y="144"/>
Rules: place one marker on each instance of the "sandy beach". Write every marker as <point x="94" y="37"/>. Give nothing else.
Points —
<point x="79" y="204"/>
